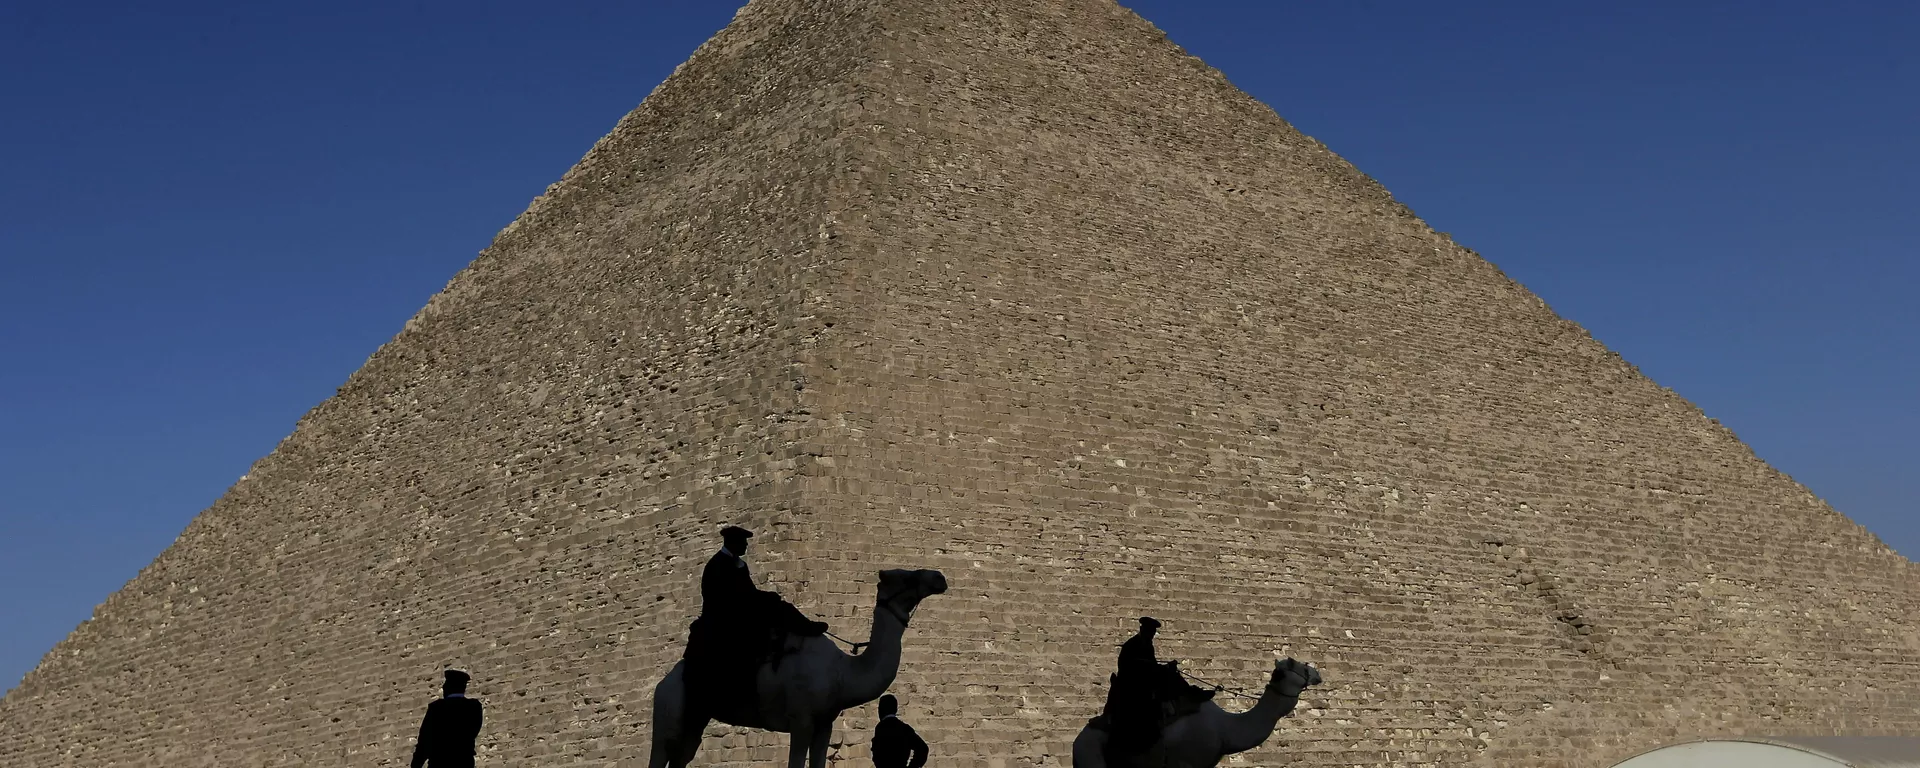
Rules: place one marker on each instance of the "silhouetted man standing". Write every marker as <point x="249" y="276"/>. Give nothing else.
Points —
<point x="895" y="744"/>
<point x="450" y="727"/>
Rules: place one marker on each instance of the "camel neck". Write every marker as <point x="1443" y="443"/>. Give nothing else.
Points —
<point x="1248" y="729"/>
<point x="875" y="667"/>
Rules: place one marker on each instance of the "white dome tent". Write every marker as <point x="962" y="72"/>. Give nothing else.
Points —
<point x="1783" y="752"/>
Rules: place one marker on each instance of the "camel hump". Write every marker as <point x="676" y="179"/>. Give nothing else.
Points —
<point x="793" y="643"/>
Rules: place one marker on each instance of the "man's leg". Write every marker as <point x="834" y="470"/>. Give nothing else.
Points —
<point x="791" y="619"/>
<point x="1133" y="714"/>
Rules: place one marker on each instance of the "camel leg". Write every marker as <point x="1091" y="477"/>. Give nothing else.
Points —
<point x="676" y="729"/>
<point x="669" y="703"/>
<point x="693" y="729"/>
<point x="802" y="743"/>
<point x="677" y="750"/>
<point x="817" y="751"/>
<point x="1090" y="749"/>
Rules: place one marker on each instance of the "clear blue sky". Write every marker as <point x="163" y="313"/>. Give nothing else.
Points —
<point x="212" y="212"/>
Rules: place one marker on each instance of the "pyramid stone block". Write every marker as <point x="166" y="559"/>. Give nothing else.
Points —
<point x="1020" y="291"/>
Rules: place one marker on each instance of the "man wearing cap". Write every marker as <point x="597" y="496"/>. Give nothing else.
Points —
<point x="450" y="727"/>
<point x="737" y="623"/>
<point x="728" y="594"/>
<point x="896" y="744"/>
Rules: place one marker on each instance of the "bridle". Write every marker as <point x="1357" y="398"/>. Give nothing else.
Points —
<point x="886" y="602"/>
<point x="1218" y="688"/>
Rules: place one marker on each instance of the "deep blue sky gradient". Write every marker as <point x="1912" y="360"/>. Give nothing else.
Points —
<point x="212" y="212"/>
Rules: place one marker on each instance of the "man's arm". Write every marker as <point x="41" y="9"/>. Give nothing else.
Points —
<point x="710" y="582"/>
<point x="420" y="750"/>
<point x="726" y="579"/>
<point x="917" y="747"/>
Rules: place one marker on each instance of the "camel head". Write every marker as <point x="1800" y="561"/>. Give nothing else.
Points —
<point x="1290" y="677"/>
<point x="901" y="590"/>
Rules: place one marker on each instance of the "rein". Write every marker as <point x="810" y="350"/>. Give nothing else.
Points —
<point x="856" y="646"/>
<point x="1218" y="688"/>
<point x="886" y="604"/>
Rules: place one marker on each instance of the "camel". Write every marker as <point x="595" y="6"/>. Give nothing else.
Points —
<point x="813" y="682"/>
<point x="1202" y="739"/>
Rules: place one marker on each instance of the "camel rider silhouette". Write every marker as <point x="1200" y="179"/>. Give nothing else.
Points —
<point x="739" y="623"/>
<point x="1147" y="694"/>
<point x="727" y="590"/>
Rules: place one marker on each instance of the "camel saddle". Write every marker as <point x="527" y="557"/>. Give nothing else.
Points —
<point x="1137" y="711"/>
<point x="725" y="656"/>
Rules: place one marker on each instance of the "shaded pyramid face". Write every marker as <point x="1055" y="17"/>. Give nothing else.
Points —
<point x="1018" y="291"/>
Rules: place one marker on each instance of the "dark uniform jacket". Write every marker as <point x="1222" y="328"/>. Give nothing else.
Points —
<point x="1137" y="659"/>
<point x="726" y="587"/>
<point x="896" y="745"/>
<point x="729" y="598"/>
<point x="447" y="733"/>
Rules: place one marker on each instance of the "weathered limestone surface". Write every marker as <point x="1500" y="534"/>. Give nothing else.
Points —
<point x="1017" y="290"/>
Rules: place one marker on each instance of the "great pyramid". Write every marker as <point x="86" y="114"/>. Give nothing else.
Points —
<point x="1018" y="290"/>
